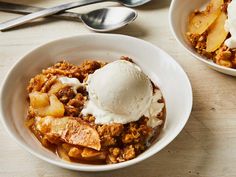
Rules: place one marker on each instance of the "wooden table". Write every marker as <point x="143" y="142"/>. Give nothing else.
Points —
<point x="207" y="145"/>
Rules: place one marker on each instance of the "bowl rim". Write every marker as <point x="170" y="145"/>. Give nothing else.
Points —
<point x="88" y="167"/>
<point x="199" y="57"/>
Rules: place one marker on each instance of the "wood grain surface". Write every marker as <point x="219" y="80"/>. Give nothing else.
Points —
<point x="205" y="148"/>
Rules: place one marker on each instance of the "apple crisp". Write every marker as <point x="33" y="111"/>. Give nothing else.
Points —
<point x="54" y="117"/>
<point x="207" y="34"/>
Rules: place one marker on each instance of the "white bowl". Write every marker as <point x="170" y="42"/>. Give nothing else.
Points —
<point x="158" y="65"/>
<point x="178" y="19"/>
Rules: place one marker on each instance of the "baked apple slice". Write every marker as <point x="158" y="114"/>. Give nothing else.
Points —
<point x="44" y="105"/>
<point x="38" y="99"/>
<point x="200" y="21"/>
<point x="70" y="130"/>
<point x="217" y="34"/>
<point x="90" y="154"/>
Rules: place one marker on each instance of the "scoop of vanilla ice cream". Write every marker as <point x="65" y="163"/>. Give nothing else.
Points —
<point x="119" y="92"/>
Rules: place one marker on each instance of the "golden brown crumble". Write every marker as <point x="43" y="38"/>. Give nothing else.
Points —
<point x="75" y="137"/>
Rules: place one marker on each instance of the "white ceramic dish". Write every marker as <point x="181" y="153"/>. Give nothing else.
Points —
<point x="159" y="66"/>
<point x="178" y="19"/>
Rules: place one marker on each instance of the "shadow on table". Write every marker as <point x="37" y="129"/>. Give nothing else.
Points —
<point x="155" y="4"/>
<point x="134" y="30"/>
<point x="35" y="23"/>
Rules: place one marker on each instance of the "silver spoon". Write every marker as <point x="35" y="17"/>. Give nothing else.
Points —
<point x="90" y="20"/>
<point x="46" y="12"/>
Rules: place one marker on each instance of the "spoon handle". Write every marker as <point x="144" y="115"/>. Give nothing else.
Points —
<point x="43" y="13"/>
<point x="26" y="9"/>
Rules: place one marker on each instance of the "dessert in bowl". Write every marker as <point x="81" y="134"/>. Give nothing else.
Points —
<point x="95" y="112"/>
<point x="205" y="28"/>
<point x="106" y="101"/>
<point x="211" y="32"/>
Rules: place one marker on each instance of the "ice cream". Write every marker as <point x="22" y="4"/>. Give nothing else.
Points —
<point x="119" y="92"/>
<point x="154" y="109"/>
<point x="230" y="25"/>
<point x="73" y="82"/>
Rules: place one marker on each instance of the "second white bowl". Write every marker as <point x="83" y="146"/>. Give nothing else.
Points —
<point x="178" y="19"/>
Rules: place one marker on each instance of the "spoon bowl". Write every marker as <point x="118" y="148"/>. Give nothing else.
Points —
<point x="108" y="19"/>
